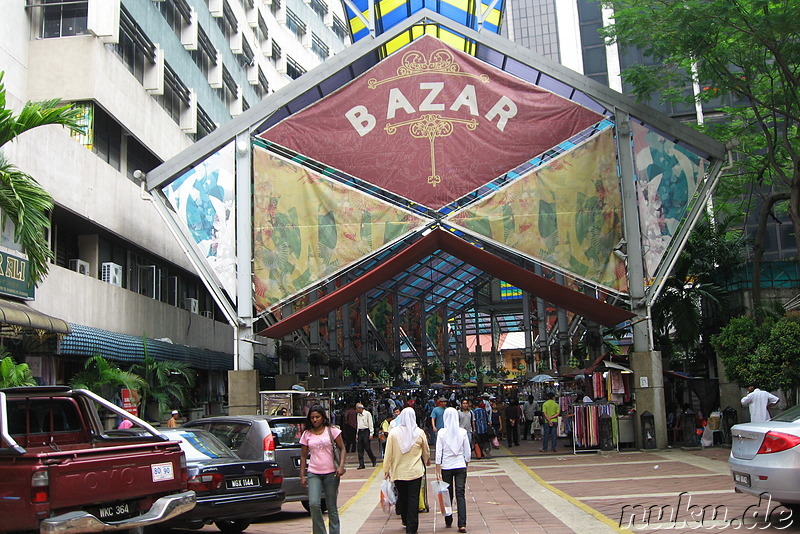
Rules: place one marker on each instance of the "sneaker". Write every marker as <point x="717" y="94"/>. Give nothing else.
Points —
<point x="448" y="521"/>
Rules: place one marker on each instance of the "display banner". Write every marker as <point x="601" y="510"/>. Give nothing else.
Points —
<point x="567" y="213"/>
<point x="204" y="200"/>
<point x="306" y="227"/>
<point x="431" y="124"/>
<point x="667" y="179"/>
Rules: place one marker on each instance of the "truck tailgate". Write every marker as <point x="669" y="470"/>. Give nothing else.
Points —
<point x="113" y="474"/>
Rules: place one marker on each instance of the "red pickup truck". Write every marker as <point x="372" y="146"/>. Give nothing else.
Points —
<point x="60" y="471"/>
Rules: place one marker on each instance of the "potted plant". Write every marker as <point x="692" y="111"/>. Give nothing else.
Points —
<point x="166" y="386"/>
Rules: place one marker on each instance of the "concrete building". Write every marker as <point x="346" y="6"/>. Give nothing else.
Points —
<point x="152" y="77"/>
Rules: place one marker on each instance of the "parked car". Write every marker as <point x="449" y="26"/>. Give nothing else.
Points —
<point x="263" y="437"/>
<point x="765" y="457"/>
<point x="231" y="492"/>
<point x="62" y="472"/>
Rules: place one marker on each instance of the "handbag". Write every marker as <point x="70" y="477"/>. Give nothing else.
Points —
<point x="495" y="442"/>
<point x="477" y="452"/>
<point x="423" y="492"/>
<point x="336" y="451"/>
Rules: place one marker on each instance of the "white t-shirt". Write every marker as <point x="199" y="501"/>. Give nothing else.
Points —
<point x="758" y="400"/>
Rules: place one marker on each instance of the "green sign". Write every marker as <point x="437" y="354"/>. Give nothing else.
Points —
<point x="14" y="277"/>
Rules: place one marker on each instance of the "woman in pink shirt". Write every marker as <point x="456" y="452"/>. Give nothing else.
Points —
<point x="318" y="471"/>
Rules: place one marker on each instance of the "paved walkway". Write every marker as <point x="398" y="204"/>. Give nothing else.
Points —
<point x="520" y="490"/>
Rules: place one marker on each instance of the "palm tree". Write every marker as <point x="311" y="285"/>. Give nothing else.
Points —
<point x="105" y="379"/>
<point x="22" y="199"/>
<point x="13" y="374"/>
<point x="165" y="381"/>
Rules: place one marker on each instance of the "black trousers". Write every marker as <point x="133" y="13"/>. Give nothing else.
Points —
<point x="408" y="502"/>
<point x="364" y="444"/>
<point x="349" y="438"/>
<point x="513" y="433"/>
<point x="526" y="434"/>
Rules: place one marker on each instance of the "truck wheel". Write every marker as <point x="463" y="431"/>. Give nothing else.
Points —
<point x="322" y="505"/>
<point x="232" y="526"/>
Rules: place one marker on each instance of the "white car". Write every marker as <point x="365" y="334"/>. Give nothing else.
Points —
<point x="765" y="458"/>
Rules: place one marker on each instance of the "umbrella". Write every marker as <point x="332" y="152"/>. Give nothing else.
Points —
<point x="542" y="378"/>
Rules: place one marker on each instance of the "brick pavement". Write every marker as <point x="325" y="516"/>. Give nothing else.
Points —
<point x="520" y="490"/>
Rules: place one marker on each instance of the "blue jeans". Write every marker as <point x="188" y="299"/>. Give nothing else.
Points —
<point x="328" y="483"/>
<point x="549" y="436"/>
<point x="459" y="477"/>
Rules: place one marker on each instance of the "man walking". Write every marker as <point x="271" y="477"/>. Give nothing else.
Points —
<point x="550" y="429"/>
<point x="466" y="420"/>
<point x="759" y="402"/>
<point x="437" y="419"/>
<point x="349" y="429"/>
<point x="364" y="430"/>
<point x="529" y="409"/>
<point x="513" y="415"/>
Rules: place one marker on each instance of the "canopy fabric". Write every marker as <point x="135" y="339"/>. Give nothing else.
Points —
<point x="562" y="296"/>
<point x="20" y="314"/>
<point x="87" y="341"/>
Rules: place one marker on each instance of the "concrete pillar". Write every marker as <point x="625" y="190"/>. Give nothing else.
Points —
<point x="730" y="394"/>
<point x="243" y="392"/>
<point x="648" y="390"/>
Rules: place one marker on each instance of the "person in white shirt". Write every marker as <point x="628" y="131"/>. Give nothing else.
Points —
<point x="364" y="432"/>
<point x="453" y="454"/>
<point x="759" y="402"/>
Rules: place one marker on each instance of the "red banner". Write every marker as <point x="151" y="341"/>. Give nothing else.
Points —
<point x="431" y="123"/>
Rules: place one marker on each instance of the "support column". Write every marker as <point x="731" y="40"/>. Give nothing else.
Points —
<point x="648" y="378"/>
<point x="243" y="380"/>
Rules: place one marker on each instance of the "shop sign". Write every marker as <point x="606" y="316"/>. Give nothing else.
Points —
<point x="130" y="401"/>
<point x="15" y="277"/>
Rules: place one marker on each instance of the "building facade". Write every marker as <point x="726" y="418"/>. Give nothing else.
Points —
<point x="151" y="77"/>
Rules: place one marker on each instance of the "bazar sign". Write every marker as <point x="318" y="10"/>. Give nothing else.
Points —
<point x="14" y="276"/>
<point x="432" y="124"/>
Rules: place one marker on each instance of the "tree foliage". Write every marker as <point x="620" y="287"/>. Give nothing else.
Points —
<point x="744" y="55"/>
<point x="104" y="378"/>
<point x="166" y="382"/>
<point x="22" y="200"/>
<point x="13" y="374"/>
<point x="765" y="354"/>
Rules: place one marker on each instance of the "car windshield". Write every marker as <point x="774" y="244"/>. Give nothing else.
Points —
<point x="199" y="444"/>
<point x="789" y="416"/>
<point x="287" y="433"/>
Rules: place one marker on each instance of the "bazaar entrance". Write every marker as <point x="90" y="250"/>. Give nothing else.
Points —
<point x="396" y="211"/>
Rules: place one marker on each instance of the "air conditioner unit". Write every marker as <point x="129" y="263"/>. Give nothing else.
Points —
<point x="80" y="266"/>
<point x="192" y="305"/>
<point x="112" y="273"/>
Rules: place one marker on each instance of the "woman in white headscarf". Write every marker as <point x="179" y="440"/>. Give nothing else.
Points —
<point x="407" y="454"/>
<point x="453" y="454"/>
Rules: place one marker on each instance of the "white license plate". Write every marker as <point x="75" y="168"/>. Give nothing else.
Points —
<point x="162" y="472"/>
<point x="246" y="482"/>
<point x="741" y="478"/>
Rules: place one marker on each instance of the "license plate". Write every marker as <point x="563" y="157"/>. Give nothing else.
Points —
<point x="742" y="478"/>
<point x="246" y="482"/>
<point x="162" y="472"/>
<point x="115" y="511"/>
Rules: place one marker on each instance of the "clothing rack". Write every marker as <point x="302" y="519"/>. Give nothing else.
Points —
<point x="586" y="426"/>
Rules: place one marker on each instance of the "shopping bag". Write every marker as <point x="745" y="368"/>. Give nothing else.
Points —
<point x="477" y="452"/>
<point x="495" y="442"/>
<point x="423" y="495"/>
<point x="442" y="494"/>
<point x="388" y="495"/>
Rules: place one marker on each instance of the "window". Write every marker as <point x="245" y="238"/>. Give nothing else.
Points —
<point x="206" y="55"/>
<point x="275" y="6"/>
<point x="262" y="30"/>
<point x="176" y="13"/>
<point x="204" y="124"/>
<point x="145" y="277"/>
<point x="276" y="53"/>
<point x="246" y="58"/>
<point x="293" y="68"/>
<point x="293" y="22"/>
<point x="319" y="7"/>
<point x="262" y="89"/>
<point x="176" y="95"/>
<point x="134" y="48"/>
<point x="139" y="157"/>
<point x="107" y="137"/>
<point x="339" y="28"/>
<point x="227" y="22"/>
<point x="63" y="18"/>
<point x="229" y="88"/>
<point x="319" y="47"/>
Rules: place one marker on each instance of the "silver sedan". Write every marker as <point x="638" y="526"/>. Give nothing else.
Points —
<point x="765" y="458"/>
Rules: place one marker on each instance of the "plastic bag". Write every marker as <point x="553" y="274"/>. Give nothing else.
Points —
<point x="707" y="437"/>
<point x="495" y="442"/>
<point x="442" y="494"/>
<point x="388" y="495"/>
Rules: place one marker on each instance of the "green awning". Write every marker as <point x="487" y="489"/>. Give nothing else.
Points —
<point x="18" y="314"/>
<point x="87" y="341"/>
